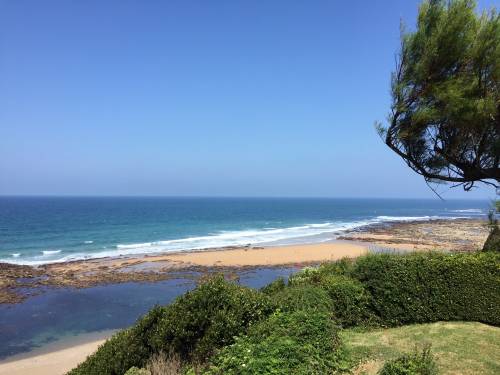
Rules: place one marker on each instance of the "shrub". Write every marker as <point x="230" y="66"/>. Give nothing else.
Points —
<point x="413" y="364"/>
<point x="428" y="287"/>
<point x="125" y="349"/>
<point x="286" y="343"/>
<point x="305" y="297"/>
<point x="193" y="326"/>
<point x="350" y="301"/>
<point x="208" y="318"/>
<point x="342" y="267"/>
<point x="274" y="286"/>
<point x="307" y="276"/>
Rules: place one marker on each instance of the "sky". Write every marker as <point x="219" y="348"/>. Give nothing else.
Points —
<point x="203" y="98"/>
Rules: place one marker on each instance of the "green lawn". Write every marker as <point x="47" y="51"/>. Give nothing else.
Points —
<point x="458" y="347"/>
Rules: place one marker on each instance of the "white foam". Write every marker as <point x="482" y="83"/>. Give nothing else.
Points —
<point x="88" y="242"/>
<point x="50" y="252"/>
<point x="470" y="211"/>
<point x="16" y="255"/>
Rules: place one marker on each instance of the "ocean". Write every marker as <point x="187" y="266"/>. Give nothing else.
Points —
<point x="38" y="230"/>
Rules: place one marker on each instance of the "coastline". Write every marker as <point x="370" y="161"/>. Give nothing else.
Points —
<point x="438" y="235"/>
<point x="55" y="358"/>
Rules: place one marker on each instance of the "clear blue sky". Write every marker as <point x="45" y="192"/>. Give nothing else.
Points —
<point x="239" y="98"/>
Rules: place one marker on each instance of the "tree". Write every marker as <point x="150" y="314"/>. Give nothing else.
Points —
<point x="445" y="115"/>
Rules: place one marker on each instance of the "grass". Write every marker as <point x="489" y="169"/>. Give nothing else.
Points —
<point x="458" y="347"/>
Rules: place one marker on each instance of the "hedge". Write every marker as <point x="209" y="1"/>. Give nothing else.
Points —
<point x="429" y="287"/>
<point x="310" y="298"/>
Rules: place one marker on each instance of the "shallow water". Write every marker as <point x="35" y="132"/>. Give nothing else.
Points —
<point x="62" y="313"/>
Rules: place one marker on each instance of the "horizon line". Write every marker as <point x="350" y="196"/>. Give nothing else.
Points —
<point x="221" y="196"/>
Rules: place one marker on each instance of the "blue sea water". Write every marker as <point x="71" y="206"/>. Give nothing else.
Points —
<point x="37" y="230"/>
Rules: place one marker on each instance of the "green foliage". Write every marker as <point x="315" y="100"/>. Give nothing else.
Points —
<point x="445" y="116"/>
<point x="418" y="363"/>
<point x="125" y="349"/>
<point x="287" y="343"/>
<point x="307" y="276"/>
<point x="208" y="318"/>
<point x="350" y="300"/>
<point x="273" y="287"/>
<point x="342" y="267"/>
<point x="137" y="371"/>
<point x="305" y="297"/>
<point x="427" y="287"/>
<point x="193" y="326"/>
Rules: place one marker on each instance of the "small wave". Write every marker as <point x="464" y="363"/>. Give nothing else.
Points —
<point x="88" y="242"/>
<point x="50" y="252"/>
<point x="407" y="218"/>
<point x="16" y="255"/>
<point x="470" y="210"/>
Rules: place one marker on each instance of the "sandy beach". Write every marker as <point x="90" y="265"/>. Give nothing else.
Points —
<point x="55" y="358"/>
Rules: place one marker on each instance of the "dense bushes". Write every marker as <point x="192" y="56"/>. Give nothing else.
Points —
<point x="309" y="298"/>
<point x="428" y="287"/>
<point x="302" y="342"/>
<point x="350" y="300"/>
<point x="415" y="288"/>
<point x="209" y="317"/>
<point x="195" y="325"/>
<point x="418" y="363"/>
<point x="348" y="296"/>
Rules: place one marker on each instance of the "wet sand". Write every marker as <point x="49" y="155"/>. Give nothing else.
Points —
<point x="55" y="358"/>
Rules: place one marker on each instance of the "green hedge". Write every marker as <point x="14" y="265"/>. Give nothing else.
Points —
<point x="415" y="288"/>
<point x="310" y="298"/>
<point x="350" y="300"/>
<point x="301" y="342"/>
<point x="428" y="287"/>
